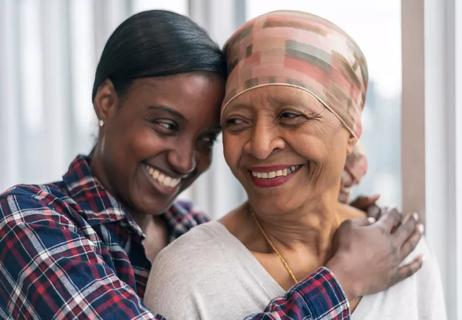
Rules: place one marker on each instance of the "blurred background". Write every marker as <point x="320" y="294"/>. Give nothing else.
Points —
<point x="49" y="50"/>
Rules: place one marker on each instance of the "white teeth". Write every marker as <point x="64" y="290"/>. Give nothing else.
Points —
<point x="274" y="174"/>
<point x="162" y="178"/>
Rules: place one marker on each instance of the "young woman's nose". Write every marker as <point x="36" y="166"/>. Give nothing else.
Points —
<point x="183" y="158"/>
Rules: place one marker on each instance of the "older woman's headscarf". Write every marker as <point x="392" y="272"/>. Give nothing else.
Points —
<point x="304" y="51"/>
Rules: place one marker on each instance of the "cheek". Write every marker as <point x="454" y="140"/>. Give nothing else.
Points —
<point x="309" y="146"/>
<point x="143" y="143"/>
<point x="232" y="149"/>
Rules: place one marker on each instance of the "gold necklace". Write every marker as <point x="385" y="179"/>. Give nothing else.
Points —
<point x="278" y="253"/>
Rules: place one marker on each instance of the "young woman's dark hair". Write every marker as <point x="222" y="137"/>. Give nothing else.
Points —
<point x="156" y="43"/>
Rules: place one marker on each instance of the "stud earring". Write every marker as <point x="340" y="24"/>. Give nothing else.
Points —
<point x="101" y="123"/>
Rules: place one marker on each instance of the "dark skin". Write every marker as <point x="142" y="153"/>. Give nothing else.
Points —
<point x="168" y="124"/>
<point x="270" y="129"/>
<point x="152" y="126"/>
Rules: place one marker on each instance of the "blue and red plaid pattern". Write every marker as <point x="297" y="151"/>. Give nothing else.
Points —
<point x="70" y="250"/>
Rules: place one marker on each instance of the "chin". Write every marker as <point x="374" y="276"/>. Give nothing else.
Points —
<point x="153" y="205"/>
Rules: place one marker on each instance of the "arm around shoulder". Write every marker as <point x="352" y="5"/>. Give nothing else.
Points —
<point x="317" y="297"/>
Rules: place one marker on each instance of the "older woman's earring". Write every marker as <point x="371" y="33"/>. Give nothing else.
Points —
<point x="101" y="123"/>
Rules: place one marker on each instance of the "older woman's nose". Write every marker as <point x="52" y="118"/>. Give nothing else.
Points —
<point x="264" y="140"/>
<point x="183" y="158"/>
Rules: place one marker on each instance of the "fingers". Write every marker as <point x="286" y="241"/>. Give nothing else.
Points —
<point x="408" y="269"/>
<point x="362" y="221"/>
<point x="374" y="211"/>
<point x="390" y="220"/>
<point x="407" y="228"/>
<point x="364" y="202"/>
<point x="409" y="245"/>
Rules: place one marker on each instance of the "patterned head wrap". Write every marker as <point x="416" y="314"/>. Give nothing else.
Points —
<point x="300" y="50"/>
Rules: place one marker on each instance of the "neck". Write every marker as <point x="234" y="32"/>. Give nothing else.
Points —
<point x="308" y="229"/>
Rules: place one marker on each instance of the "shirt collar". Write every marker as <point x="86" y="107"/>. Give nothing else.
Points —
<point x="97" y="204"/>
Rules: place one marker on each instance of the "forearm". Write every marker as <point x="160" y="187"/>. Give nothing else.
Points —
<point x="317" y="297"/>
<point x="66" y="279"/>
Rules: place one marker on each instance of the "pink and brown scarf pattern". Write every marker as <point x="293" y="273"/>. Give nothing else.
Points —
<point x="304" y="51"/>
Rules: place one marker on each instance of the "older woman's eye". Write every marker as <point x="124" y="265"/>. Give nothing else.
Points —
<point x="235" y="124"/>
<point x="291" y="117"/>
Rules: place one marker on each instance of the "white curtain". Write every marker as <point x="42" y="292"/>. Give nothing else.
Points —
<point x="48" y="55"/>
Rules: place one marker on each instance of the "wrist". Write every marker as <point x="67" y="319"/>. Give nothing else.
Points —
<point x="348" y="285"/>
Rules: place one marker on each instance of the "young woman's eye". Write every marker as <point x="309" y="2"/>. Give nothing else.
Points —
<point x="165" y="126"/>
<point x="209" y="140"/>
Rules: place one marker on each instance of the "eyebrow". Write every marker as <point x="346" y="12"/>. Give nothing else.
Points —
<point x="166" y="109"/>
<point x="241" y="106"/>
<point x="311" y="107"/>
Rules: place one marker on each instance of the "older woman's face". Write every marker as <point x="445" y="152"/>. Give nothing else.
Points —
<point x="157" y="138"/>
<point x="284" y="146"/>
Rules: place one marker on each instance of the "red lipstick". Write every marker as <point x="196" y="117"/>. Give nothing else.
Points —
<point x="272" y="182"/>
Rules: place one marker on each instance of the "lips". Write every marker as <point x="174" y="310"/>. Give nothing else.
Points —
<point x="273" y="176"/>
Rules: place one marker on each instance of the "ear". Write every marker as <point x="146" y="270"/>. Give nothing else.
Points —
<point x="352" y="140"/>
<point x="106" y="101"/>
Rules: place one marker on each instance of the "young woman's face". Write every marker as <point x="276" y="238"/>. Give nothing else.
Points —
<point x="157" y="138"/>
<point x="284" y="146"/>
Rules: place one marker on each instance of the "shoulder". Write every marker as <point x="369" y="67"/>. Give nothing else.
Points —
<point x="192" y="245"/>
<point x="23" y="198"/>
<point x="429" y="274"/>
<point x="186" y="270"/>
<point x="418" y="297"/>
<point x="188" y="258"/>
<point x="44" y="205"/>
<point x="182" y="217"/>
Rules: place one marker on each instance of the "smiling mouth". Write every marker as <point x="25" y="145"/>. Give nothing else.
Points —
<point x="275" y="173"/>
<point x="162" y="178"/>
<point x="268" y="177"/>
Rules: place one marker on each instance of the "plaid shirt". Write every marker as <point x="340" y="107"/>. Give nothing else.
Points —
<point x="70" y="250"/>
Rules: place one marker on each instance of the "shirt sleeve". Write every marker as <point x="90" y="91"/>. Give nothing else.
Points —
<point x="49" y="271"/>
<point x="317" y="297"/>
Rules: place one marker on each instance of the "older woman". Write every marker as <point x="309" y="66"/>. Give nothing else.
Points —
<point x="290" y="117"/>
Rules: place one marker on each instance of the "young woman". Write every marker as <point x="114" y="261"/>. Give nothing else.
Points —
<point x="81" y="247"/>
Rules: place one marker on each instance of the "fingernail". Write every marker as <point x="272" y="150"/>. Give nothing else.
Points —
<point x="415" y="215"/>
<point x="420" y="228"/>
<point x="371" y="220"/>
